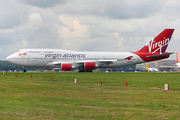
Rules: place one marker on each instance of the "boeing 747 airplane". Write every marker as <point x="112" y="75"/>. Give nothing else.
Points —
<point x="69" y="60"/>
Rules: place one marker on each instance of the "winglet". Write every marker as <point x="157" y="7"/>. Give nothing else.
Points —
<point x="177" y="57"/>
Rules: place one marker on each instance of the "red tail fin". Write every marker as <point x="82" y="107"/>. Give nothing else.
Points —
<point x="159" y="43"/>
<point x="177" y="57"/>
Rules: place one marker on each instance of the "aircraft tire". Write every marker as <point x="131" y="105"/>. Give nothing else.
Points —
<point x="89" y="71"/>
<point x="24" y="70"/>
<point x="81" y="70"/>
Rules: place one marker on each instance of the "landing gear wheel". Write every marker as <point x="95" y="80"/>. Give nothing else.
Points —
<point x="89" y="71"/>
<point x="24" y="70"/>
<point x="81" y="70"/>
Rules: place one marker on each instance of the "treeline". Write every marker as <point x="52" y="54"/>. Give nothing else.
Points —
<point x="6" y="66"/>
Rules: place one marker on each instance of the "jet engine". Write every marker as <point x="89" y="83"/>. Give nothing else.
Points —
<point x="90" y="65"/>
<point x="67" y="67"/>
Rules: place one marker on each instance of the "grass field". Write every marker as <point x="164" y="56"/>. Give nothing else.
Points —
<point x="42" y="98"/>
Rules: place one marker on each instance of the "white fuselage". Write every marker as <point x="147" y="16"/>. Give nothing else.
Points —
<point x="56" y="57"/>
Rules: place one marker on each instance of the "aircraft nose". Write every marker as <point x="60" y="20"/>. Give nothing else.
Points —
<point x="8" y="58"/>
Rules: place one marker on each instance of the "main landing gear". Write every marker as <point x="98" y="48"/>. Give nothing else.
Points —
<point x="24" y="70"/>
<point x="85" y="71"/>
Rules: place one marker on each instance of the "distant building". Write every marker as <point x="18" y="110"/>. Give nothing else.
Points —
<point x="162" y="65"/>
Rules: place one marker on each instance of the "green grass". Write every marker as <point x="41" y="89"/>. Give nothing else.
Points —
<point x="42" y="98"/>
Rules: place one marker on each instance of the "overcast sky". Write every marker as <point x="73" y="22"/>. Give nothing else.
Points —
<point x="86" y="25"/>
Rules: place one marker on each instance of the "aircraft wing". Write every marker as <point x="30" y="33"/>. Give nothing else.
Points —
<point x="107" y="61"/>
<point x="83" y="61"/>
<point x="55" y="63"/>
<point x="99" y="61"/>
<point x="159" y="56"/>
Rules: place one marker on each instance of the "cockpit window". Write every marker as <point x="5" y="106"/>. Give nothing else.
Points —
<point x="23" y="51"/>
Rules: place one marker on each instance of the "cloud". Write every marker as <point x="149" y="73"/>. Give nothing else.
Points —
<point x="5" y="41"/>
<point x="39" y="30"/>
<point x="97" y="34"/>
<point x="73" y="32"/>
<point x="35" y="21"/>
<point x="74" y="28"/>
<point x="43" y="3"/>
<point x="87" y="25"/>
<point x="113" y="9"/>
<point x="129" y="9"/>
<point x="11" y="14"/>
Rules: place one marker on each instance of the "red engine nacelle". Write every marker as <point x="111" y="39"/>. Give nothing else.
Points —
<point x="89" y="65"/>
<point x="66" y="67"/>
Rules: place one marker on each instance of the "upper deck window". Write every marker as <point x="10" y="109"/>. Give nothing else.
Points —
<point x="34" y="52"/>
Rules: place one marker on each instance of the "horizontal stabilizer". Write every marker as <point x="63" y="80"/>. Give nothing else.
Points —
<point x="159" y="56"/>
